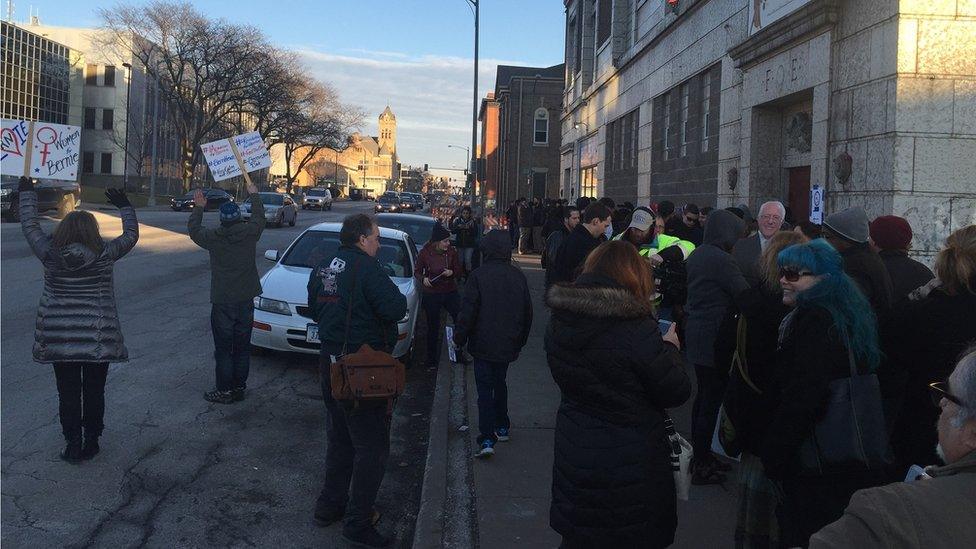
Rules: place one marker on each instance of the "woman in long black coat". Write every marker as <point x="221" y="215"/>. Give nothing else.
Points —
<point x="612" y="480"/>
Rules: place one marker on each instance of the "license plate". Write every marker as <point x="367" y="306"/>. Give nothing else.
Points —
<point x="312" y="333"/>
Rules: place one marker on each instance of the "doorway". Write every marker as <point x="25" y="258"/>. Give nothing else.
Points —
<point x="539" y="185"/>
<point x="799" y="192"/>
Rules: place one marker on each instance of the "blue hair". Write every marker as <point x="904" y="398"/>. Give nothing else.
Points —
<point x="839" y="295"/>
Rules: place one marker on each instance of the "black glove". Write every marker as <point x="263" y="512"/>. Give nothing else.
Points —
<point x="25" y="184"/>
<point x="117" y="198"/>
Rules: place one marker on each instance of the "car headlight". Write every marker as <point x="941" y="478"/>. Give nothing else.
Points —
<point x="272" y="306"/>
<point x="5" y="192"/>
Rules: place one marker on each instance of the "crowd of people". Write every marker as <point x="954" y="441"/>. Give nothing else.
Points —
<point x="828" y="363"/>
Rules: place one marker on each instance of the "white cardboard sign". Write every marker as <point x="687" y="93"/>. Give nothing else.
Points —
<point x="41" y="149"/>
<point x="223" y="159"/>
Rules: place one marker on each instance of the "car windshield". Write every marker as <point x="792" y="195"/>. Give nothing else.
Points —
<point x="389" y="199"/>
<point x="273" y="199"/>
<point x="419" y="230"/>
<point x="315" y="192"/>
<point x="314" y="247"/>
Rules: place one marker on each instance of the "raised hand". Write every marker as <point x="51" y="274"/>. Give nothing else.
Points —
<point x="25" y="184"/>
<point x="199" y="199"/>
<point x="117" y="198"/>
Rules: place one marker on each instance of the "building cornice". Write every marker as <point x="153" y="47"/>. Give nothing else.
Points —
<point x="811" y="19"/>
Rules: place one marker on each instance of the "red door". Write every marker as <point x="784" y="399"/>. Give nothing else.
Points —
<point x="799" y="193"/>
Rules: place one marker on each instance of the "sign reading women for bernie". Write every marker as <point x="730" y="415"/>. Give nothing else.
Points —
<point x="54" y="150"/>
<point x="223" y="162"/>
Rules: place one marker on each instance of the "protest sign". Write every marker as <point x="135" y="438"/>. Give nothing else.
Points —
<point x="236" y="155"/>
<point x="40" y="149"/>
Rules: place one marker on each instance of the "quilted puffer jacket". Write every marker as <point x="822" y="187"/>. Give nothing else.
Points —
<point x="612" y="484"/>
<point x="77" y="320"/>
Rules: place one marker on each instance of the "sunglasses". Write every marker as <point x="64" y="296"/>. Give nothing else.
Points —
<point x="940" y="390"/>
<point x="792" y="275"/>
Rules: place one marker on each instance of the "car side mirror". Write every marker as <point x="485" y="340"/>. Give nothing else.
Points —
<point x="271" y="255"/>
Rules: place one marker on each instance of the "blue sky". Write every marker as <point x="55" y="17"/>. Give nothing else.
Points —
<point x="415" y="55"/>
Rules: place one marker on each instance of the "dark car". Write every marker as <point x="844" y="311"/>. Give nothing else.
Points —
<point x="419" y="227"/>
<point x="412" y="201"/>
<point x="389" y="202"/>
<point x="215" y="198"/>
<point x="52" y="194"/>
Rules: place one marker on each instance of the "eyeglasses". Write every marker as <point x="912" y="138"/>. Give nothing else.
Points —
<point x="792" y="275"/>
<point x="940" y="390"/>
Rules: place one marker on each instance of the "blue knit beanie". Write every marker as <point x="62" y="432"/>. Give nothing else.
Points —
<point x="229" y="213"/>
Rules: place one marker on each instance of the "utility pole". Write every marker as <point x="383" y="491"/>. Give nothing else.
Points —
<point x="125" y="148"/>
<point x="155" y="131"/>
<point x="472" y="171"/>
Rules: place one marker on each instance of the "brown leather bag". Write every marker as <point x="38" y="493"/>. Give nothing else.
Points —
<point x="367" y="374"/>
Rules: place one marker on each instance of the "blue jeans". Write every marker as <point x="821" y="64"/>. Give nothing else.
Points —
<point x="432" y="304"/>
<point x="492" y="397"/>
<point x="231" y="325"/>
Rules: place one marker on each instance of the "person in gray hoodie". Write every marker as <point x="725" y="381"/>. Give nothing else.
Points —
<point x="714" y="279"/>
<point x="234" y="283"/>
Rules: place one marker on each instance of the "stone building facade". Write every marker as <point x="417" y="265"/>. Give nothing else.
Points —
<point x="525" y="108"/>
<point x="721" y="102"/>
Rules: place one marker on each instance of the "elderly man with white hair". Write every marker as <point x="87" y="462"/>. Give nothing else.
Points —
<point x="747" y="251"/>
<point x="936" y="511"/>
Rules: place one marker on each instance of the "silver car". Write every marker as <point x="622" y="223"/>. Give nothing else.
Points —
<point x="278" y="209"/>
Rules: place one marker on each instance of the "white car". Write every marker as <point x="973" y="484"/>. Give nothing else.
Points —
<point x="282" y="320"/>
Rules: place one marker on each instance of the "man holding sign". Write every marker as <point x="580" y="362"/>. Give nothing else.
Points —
<point x="234" y="283"/>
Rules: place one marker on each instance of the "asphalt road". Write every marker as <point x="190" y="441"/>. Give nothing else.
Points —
<point x="175" y="470"/>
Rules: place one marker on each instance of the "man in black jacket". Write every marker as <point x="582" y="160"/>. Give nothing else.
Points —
<point x="847" y="231"/>
<point x="580" y="242"/>
<point x="569" y="220"/>
<point x="890" y="237"/>
<point x="494" y="322"/>
<point x="526" y="220"/>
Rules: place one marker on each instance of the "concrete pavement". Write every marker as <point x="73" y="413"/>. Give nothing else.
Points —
<point x="509" y="494"/>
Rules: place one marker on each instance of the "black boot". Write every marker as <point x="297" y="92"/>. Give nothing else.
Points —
<point x="90" y="449"/>
<point x="72" y="452"/>
<point x="367" y="537"/>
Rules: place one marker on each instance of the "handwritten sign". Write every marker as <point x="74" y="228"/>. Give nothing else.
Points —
<point x="223" y="161"/>
<point x="40" y="150"/>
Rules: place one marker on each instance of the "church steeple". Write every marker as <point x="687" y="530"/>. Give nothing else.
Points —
<point x="387" y="127"/>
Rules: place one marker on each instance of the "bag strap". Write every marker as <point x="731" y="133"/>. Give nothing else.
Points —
<point x="739" y="356"/>
<point x="352" y="296"/>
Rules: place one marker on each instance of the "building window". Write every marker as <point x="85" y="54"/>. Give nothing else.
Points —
<point x="621" y="154"/>
<point x="91" y="75"/>
<point x="541" y="128"/>
<point x="706" y="103"/>
<point x="588" y="181"/>
<point x="89" y="118"/>
<point x="604" y="9"/>
<point x="575" y="34"/>
<point x="110" y="75"/>
<point x="88" y="162"/>
<point x="666" y="127"/>
<point x="106" y="163"/>
<point x="108" y="119"/>
<point x="683" y="120"/>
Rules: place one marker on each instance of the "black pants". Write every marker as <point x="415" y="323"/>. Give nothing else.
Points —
<point x="355" y="460"/>
<point x="81" y="397"/>
<point x="489" y="377"/>
<point x="711" y="392"/>
<point x="432" y="304"/>
<point x="231" y="324"/>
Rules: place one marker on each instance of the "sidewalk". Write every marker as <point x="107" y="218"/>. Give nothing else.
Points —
<point x="506" y="503"/>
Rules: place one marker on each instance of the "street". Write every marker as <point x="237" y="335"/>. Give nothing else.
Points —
<point x="175" y="470"/>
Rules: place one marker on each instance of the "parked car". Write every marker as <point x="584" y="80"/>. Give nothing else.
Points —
<point x="52" y="194"/>
<point x="388" y="202"/>
<point x="282" y="320"/>
<point x="215" y="198"/>
<point x="317" y="198"/>
<point x="419" y="227"/>
<point x="412" y="201"/>
<point x="278" y="209"/>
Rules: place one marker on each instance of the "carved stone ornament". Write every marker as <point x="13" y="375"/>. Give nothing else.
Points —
<point x="842" y="167"/>
<point x="799" y="132"/>
<point x="732" y="176"/>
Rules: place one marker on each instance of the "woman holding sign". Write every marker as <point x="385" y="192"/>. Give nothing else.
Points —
<point x="77" y="323"/>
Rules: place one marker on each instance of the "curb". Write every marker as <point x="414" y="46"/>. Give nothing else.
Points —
<point x="429" y="529"/>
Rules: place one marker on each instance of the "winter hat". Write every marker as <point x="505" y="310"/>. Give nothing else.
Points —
<point x="746" y="213"/>
<point x="890" y="232"/>
<point x="851" y="224"/>
<point x="229" y="213"/>
<point x="440" y="233"/>
<point x="642" y="219"/>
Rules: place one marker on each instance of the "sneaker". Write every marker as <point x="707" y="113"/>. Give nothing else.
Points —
<point x="367" y="537"/>
<point x="487" y="449"/>
<point x="502" y="434"/>
<point x="90" y="449"/>
<point x="219" y="397"/>
<point x="72" y="452"/>
<point x="238" y="393"/>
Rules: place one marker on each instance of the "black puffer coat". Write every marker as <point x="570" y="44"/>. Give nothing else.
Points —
<point x="612" y="484"/>
<point x="77" y="320"/>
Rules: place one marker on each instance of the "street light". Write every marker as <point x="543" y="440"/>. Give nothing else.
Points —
<point x="469" y="183"/>
<point x="467" y="158"/>
<point x="125" y="148"/>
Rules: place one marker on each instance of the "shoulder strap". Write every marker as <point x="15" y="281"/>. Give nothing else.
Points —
<point x="352" y="296"/>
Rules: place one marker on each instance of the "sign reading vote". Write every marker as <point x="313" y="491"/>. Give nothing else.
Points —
<point x="40" y="150"/>
<point x="223" y="162"/>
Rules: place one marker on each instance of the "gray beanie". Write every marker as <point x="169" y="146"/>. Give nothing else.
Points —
<point x="746" y="212"/>
<point x="851" y="224"/>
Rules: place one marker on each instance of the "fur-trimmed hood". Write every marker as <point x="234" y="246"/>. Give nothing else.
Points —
<point x="594" y="297"/>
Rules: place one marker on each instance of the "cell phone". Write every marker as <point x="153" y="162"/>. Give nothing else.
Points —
<point x="664" y="326"/>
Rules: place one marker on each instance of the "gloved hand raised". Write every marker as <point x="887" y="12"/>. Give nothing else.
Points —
<point x="117" y="198"/>
<point x="25" y="184"/>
